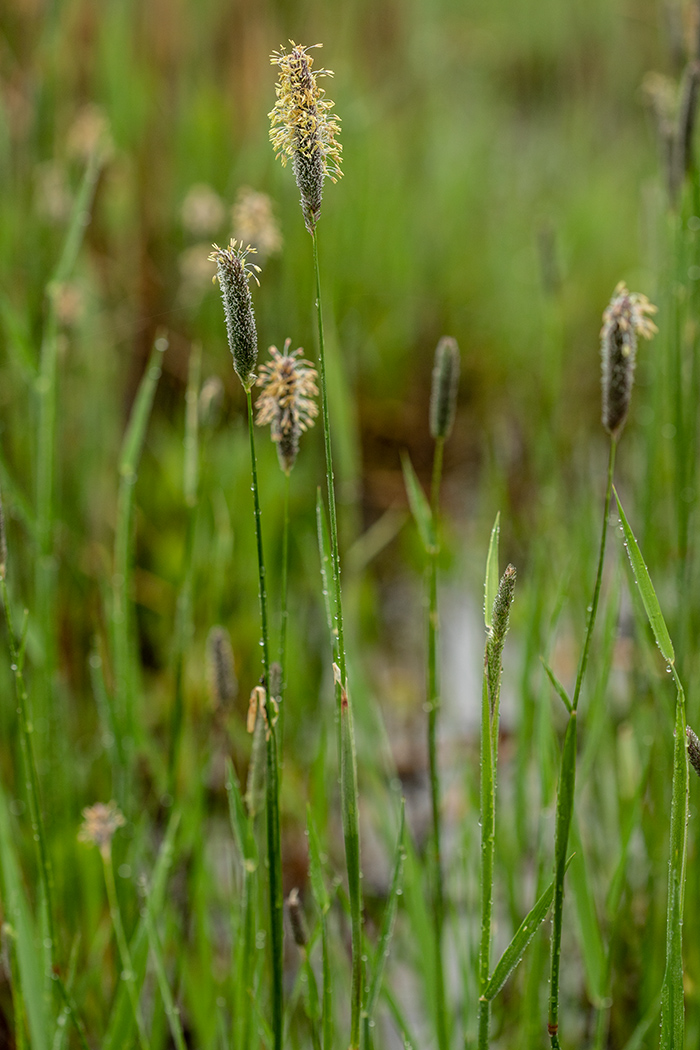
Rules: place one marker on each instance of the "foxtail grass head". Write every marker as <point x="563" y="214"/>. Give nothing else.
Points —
<point x="233" y="272"/>
<point x="443" y="395"/>
<point x="303" y="128"/>
<point x="500" y="621"/>
<point x="223" y="684"/>
<point x="286" y="402"/>
<point x="297" y="920"/>
<point x="625" y="318"/>
<point x="693" y="749"/>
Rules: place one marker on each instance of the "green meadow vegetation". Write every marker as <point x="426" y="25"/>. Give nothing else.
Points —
<point x="383" y="728"/>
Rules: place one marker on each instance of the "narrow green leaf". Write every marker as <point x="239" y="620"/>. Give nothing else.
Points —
<point x="140" y="412"/>
<point x="521" y="939"/>
<point x="388" y="920"/>
<point x="318" y="885"/>
<point x="646" y="589"/>
<point x="120" y="1030"/>
<point x="491" y="579"/>
<point x="324" y="550"/>
<point x="240" y="822"/>
<point x="191" y="459"/>
<point x="672" y="995"/>
<point x="591" y="940"/>
<point x="420" y="508"/>
<point x="558" y="687"/>
<point x="29" y="956"/>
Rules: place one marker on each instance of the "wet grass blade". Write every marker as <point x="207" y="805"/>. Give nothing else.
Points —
<point x="521" y="939"/>
<point x="646" y="589"/>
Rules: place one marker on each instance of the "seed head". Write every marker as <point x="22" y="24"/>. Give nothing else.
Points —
<point x="624" y="319"/>
<point x="223" y="684"/>
<point x="99" y="825"/>
<point x="286" y="403"/>
<point x="303" y="128"/>
<point x="254" y="222"/>
<point x="443" y="396"/>
<point x="500" y="621"/>
<point x="297" y="920"/>
<point x="693" y="749"/>
<point x="234" y="271"/>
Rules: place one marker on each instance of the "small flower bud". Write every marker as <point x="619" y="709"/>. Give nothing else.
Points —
<point x="443" y="396"/>
<point x="297" y="920"/>
<point x="223" y="685"/>
<point x="233" y="273"/>
<point x="624" y="319"/>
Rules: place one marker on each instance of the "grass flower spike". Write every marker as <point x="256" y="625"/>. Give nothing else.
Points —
<point x="624" y="319"/>
<point x="443" y="395"/>
<point x="303" y="128"/>
<point x="99" y="825"/>
<point x="234" y="271"/>
<point x="289" y="385"/>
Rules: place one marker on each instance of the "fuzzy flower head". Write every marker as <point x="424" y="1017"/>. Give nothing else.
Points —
<point x="234" y="271"/>
<point x="286" y="402"/>
<point x="303" y="128"/>
<point x="99" y="825"/>
<point x="254" y="222"/>
<point x="625" y="318"/>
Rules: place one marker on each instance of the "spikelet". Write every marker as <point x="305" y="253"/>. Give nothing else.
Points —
<point x="443" y="395"/>
<point x="303" y="128"/>
<point x="624" y="319"/>
<point x="223" y="685"/>
<point x="499" y="628"/>
<point x="234" y="271"/>
<point x="297" y="920"/>
<point x="693" y="749"/>
<point x="99" y="825"/>
<point x="286" y="402"/>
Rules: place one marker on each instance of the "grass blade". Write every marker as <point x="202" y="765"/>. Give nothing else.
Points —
<point x="387" y="929"/>
<point x="646" y="589"/>
<point x="521" y="939"/>
<point x="557" y="686"/>
<point x="29" y="956"/>
<point x="420" y="508"/>
<point x="491" y="579"/>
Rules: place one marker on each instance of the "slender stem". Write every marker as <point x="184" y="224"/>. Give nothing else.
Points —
<point x="438" y="899"/>
<point x="284" y="612"/>
<point x="487" y="818"/>
<point x="274" y="844"/>
<point x="348" y="760"/>
<point x="567" y="777"/>
<point x="593" y="608"/>
<point x="32" y="781"/>
<point x="128" y="971"/>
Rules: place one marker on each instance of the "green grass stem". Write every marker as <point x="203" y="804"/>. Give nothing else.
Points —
<point x="348" y="760"/>
<point x="128" y="972"/>
<point x="284" y="611"/>
<point x="433" y="632"/>
<point x="274" y="843"/>
<point x="567" y="775"/>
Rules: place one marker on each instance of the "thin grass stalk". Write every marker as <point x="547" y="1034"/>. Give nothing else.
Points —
<point x="171" y="1011"/>
<point x="274" y="842"/>
<point x="438" y="897"/>
<point x="32" y="788"/>
<point x="348" y="760"/>
<point x="284" y="611"/>
<point x="567" y="776"/>
<point x="129" y="973"/>
<point x="488" y="829"/>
